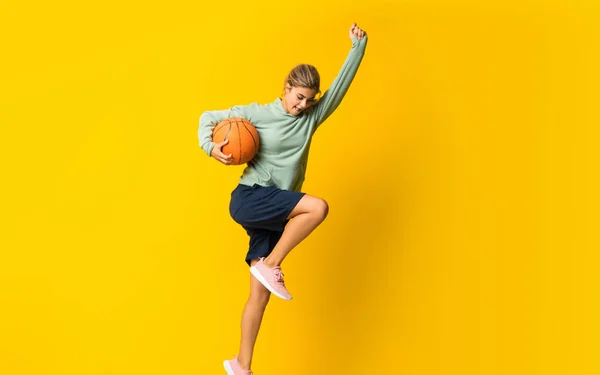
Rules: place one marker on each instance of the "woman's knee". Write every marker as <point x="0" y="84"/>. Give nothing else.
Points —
<point x="317" y="207"/>
<point x="321" y="208"/>
<point x="260" y="296"/>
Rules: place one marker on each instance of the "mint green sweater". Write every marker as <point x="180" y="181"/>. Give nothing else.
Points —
<point x="284" y="138"/>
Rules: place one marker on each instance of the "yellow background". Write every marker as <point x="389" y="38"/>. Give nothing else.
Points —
<point x="462" y="173"/>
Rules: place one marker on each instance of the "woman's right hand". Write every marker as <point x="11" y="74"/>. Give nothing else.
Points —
<point x="219" y="155"/>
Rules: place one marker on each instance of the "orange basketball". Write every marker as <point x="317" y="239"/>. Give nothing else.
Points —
<point x="243" y="139"/>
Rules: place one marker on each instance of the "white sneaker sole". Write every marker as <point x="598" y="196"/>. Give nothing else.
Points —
<point x="264" y="282"/>
<point x="228" y="368"/>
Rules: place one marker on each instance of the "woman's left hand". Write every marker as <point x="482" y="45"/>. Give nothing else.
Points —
<point x="357" y="32"/>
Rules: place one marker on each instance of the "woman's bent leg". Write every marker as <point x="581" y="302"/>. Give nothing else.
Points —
<point x="306" y="216"/>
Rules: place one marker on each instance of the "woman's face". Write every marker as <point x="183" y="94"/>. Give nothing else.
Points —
<point x="297" y="99"/>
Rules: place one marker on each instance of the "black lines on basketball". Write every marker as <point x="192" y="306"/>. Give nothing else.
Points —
<point x="254" y="140"/>
<point x="218" y="129"/>
<point x="228" y="130"/>
<point x="239" y="142"/>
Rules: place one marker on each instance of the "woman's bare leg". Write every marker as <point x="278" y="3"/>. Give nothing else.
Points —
<point x="306" y="216"/>
<point x="251" y="319"/>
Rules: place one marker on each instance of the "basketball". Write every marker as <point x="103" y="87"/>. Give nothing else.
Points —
<point x="243" y="139"/>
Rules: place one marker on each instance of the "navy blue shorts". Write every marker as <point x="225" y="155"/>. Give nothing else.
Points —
<point x="263" y="212"/>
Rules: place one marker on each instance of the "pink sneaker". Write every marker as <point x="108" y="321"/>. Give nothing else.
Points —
<point x="233" y="367"/>
<point x="271" y="278"/>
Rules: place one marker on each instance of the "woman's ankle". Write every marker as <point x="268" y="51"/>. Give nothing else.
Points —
<point x="244" y="364"/>
<point x="271" y="263"/>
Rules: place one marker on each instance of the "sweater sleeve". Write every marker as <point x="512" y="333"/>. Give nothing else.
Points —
<point x="333" y="96"/>
<point x="208" y="121"/>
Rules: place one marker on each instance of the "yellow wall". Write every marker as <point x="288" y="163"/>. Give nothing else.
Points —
<point x="462" y="173"/>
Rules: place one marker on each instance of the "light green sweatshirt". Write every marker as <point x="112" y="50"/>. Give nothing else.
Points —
<point x="284" y="138"/>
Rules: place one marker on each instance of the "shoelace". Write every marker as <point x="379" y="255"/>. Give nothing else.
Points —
<point x="278" y="275"/>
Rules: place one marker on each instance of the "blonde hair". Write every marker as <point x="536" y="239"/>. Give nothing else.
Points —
<point x="303" y="75"/>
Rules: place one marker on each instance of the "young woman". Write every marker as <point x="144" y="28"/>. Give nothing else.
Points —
<point x="268" y="203"/>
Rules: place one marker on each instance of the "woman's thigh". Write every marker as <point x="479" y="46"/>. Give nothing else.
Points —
<point x="310" y="204"/>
